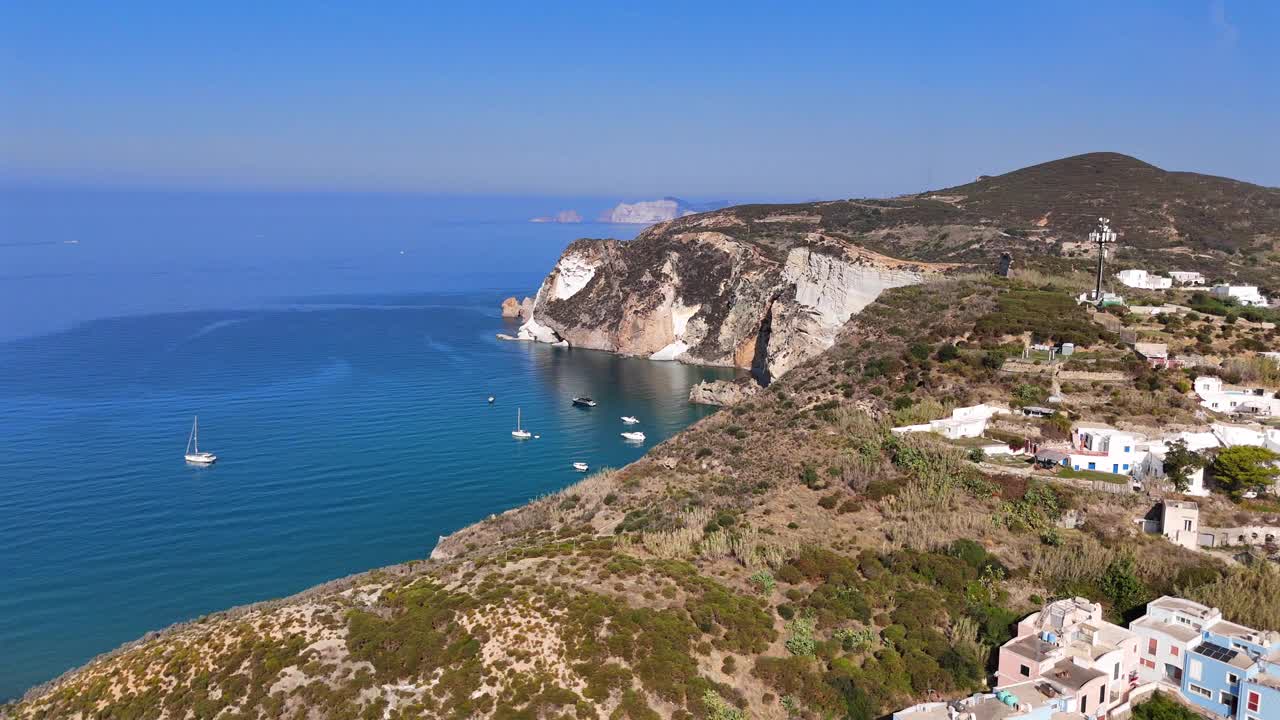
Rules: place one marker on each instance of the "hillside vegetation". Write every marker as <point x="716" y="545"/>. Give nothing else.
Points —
<point x="1043" y="215"/>
<point x="787" y="557"/>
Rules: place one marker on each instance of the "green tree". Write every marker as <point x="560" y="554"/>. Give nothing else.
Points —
<point x="1161" y="707"/>
<point x="1244" y="468"/>
<point x="1027" y="394"/>
<point x="1180" y="463"/>
<point x="1121" y="585"/>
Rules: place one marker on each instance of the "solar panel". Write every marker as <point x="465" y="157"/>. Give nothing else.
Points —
<point x="1216" y="652"/>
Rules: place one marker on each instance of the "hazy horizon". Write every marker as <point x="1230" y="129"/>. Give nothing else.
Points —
<point x="713" y="101"/>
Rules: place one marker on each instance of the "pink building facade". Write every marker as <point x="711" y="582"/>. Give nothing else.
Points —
<point x="1069" y="643"/>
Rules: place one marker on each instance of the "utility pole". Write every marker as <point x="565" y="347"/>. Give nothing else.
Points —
<point x="1101" y="237"/>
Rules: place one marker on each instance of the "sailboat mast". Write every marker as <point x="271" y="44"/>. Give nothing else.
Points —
<point x="195" y="432"/>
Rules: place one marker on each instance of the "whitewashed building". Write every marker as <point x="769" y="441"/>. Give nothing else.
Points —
<point x="1144" y="280"/>
<point x="965" y="422"/>
<point x="1151" y="467"/>
<point x="1182" y="277"/>
<point x="1219" y="397"/>
<point x="1095" y="446"/>
<point x="1247" y="295"/>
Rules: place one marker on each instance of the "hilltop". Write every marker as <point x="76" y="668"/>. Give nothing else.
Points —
<point x="763" y="287"/>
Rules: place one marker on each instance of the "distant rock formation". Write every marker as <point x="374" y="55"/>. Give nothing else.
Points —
<point x="723" y="392"/>
<point x="649" y="212"/>
<point x="564" y="217"/>
<point x="512" y="308"/>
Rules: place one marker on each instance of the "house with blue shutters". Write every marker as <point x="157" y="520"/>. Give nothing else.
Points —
<point x="1227" y="669"/>
<point x="1095" y="446"/>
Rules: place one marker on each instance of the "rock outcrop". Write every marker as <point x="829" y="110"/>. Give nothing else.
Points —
<point x="512" y="308"/>
<point x="697" y="294"/>
<point x="723" y="392"/>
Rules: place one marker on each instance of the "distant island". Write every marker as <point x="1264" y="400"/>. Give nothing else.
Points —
<point x="564" y="217"/>
<point x="648" y="212"/>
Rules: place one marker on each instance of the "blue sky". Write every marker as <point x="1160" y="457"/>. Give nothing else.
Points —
<point x="738" y="100"/>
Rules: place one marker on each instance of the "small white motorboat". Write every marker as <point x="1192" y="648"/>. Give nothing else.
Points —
<point x="519" y="433"/>
<point x="193" y="454"/>
<point x="490" y="399"/>
<point x="629" y="419"/>
<point x="633" y="436"/>
<point x="584" y="402"/>
<point x="580" y="467"/>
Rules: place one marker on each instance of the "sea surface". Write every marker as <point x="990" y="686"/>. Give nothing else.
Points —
<point x="342" y="384"/>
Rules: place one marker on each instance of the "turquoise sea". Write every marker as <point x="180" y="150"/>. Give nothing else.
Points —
<point x="342" y="386"/>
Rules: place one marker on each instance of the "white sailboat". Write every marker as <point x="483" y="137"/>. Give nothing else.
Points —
<point x="518" y="433"/>
<point x="193" y="454"/>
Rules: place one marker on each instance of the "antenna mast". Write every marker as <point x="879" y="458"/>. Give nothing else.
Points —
<point x="1101" y="237"/>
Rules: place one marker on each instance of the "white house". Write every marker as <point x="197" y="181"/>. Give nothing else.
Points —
<point x="1214" y="395"/>
<point x="965" y="422"/>
<point x="1095" y="446"/>
<point x="1152" y="464"/>
<point x="1144" y="280"/>
<point x="1187" y="278"/>
<point x="1243" y="294"/>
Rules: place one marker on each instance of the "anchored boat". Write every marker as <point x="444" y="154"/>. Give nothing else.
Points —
<point x="519" y="433"/>
<point x="193" y="454"/>
<point x="584" y="402"/>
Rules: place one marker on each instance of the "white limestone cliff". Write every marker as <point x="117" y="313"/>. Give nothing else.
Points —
<point x="828" y="289"/>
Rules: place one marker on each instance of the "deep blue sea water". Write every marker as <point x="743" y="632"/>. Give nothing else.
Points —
<point x="342" y="384"/>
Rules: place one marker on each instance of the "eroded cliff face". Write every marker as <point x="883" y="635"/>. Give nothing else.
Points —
<point x="702" y="296"/>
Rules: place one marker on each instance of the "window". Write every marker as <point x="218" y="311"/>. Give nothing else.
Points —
<point x="1186" y="525"/>
<point x="1232" y="678"/>
<point x="1255" y="701"/>
<point x="1150" y="664"/>
<point x="1173" y="650"/>
<point x="1115" y="674"/>
<point x="1196" y="668"/>
<point x="1093" y="466"/>
<point x="1024" y="671"/>
<point x="1126" y="466"/>
<point x="1183" y="620"/>
<point x="1084" y="704"/>
<point x="1102" y="694"/>
<point x="1202" y="692"/>
<point x="1151" y="646"/>
<point x="1126" y="448"/>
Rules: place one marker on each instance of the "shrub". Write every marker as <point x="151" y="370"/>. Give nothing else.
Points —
<point x="801" y="641"/>
<point x="764" y="582"/>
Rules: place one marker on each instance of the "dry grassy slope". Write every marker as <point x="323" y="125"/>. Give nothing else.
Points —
<point x="662" y="590"/>
<point x="1168" y="220"/>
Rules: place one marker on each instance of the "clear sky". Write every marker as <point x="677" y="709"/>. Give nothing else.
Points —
<point x="788" y="100"/>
